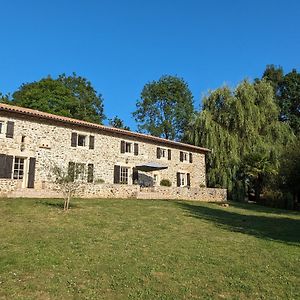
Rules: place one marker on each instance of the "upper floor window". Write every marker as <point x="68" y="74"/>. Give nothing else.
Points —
<point x="163" y="153"/>
<point x="128" y="147"/>
<point x="185" y="156"/>
<point x="81" y="140"/>
<point x="1" y="126"/>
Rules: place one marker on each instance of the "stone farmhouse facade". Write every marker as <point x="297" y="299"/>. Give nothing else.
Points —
<point x="104" y="158"/>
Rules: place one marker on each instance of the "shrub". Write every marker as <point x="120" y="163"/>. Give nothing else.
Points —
<point x="99" y="181"/>
<point x="165" y="182"/>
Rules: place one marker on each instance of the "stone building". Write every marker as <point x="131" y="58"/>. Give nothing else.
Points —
<point x="31" y="142"/>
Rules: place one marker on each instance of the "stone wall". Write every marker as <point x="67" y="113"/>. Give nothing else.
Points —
<point x="121" y="191"/>
<point x="50" y="143"/>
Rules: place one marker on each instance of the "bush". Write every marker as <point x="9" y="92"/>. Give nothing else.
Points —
<point x="99" y="181"/>
<point x="165" y="182"/>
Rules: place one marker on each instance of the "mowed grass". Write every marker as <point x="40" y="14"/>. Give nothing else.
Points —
<point x="138" y="249"/>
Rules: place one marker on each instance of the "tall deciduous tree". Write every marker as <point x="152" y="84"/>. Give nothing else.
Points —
<point x="287" y="92"/>
<point x="165" y="107"/>
<point x="70" y="96"/>
<point x="235" y="124"/>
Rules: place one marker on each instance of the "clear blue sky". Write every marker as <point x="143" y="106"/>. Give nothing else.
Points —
<point x="121" y="45"/>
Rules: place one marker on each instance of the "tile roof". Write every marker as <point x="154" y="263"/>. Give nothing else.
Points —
<point x="47" y="116"/>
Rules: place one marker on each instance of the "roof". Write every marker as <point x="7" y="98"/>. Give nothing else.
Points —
<point x="66" y="120"/>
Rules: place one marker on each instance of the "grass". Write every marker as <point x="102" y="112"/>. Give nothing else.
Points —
<point x="137" y="249"/>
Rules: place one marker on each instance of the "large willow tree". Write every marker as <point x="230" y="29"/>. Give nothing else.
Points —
<point x="240" y="125"/>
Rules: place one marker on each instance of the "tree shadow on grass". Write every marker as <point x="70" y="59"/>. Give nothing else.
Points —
<point x="57" y="204"/>
<point x="280" y="229"/>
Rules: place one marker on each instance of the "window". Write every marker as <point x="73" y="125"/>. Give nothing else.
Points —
<point x="18" y="168"/>
<point x="183" y="179"/>
<point x="81" y="140"/>
<point x="127" y="147"/>
<point x="184" y="156"/>
<point x="1" y="126"/>
<point x="124" y="175"/>
<point x="163" y="152"/>
<point x="79" y="171"/>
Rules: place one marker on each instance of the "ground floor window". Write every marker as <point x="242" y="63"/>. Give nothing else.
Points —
<point x="18" y="168"/>
<point x="124" y="175"/>
<point x="183" y="179"/>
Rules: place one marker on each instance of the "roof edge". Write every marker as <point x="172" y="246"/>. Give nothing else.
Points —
<point x="48" y="116"/>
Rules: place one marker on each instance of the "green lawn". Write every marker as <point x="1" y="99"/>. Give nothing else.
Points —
<point x="138" y="249"/>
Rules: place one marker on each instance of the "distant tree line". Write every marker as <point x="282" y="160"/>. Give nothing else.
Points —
<point x="253" y="130"/>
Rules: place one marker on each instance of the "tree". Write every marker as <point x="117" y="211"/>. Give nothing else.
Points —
<point x="290" y="171"/>
<point x="235" y="124"/>
<point x="70" y="96"/>
<point x="165" y="107"/>
<point x="287" y="92"/>
<point x="118" y="123"/>
<point x="256" y="168"/>
<point x="66" y="181"/>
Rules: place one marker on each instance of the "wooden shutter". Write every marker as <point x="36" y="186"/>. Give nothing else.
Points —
<point x="136" y="149"/>
<point x="2" y="165"/>
<point x="74" y="139"/>
<point x="178" y="179"/>
<point x="158" y="152"/>
<point x="90" y="177"/>
<point x="122" y="146"/>
<point x="135" y="175"/>
<point x="92" y="142"/>
<point x="116" y="174"/>
<point x="31" y="173"/>
<point x="188" y="179"/>
<point x="181" y="156"/>
<point x="191" y="157"/>
<point x="71" y="171"/>
<point x="10" y="129"/>
<point x="169" y="154"/>
<point x="8" y="166"/>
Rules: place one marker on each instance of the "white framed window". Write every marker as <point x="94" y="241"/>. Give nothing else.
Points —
<point x="163" y="153"/>
<point x="182" y="179"/>
<point x="185" y="156"/>
<point x="128" y="147"/>
<point x="80" y="171"/>
<point x="124" y="175"/>
<point x="81" y="140"/>
<point x="18" y="168"/>
<point x="1" y="127"/>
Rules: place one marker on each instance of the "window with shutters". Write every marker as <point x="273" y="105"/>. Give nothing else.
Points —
<point x="184" y="156"/>
<point x="18" y="168"/>
<point x="81" y="140"/>
<point x="124" y="175"/>
<point x="183" y="179"/>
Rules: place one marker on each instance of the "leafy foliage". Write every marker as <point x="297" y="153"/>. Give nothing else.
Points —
<point x="238" y="125"/>
<point x="118" y="123"/>
<point x="165" y="182"/>
<point x="165" y="107"/>
<point x="70" y="96"/>
<point x="287" y="92"/>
